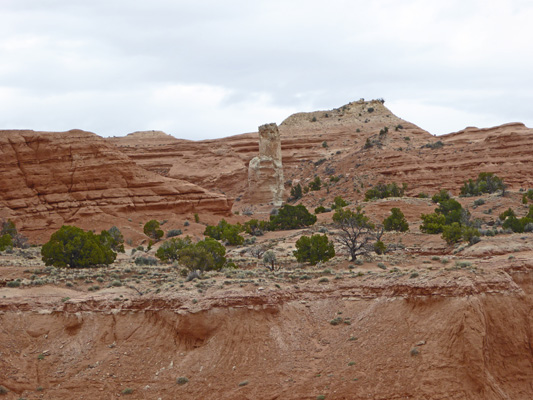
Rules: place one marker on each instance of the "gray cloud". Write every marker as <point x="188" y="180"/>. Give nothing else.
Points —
<point x="210" y="68"/>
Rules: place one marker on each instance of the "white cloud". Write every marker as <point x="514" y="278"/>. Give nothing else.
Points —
<point x="211" y="68"/>
<point x="438" y="119"/>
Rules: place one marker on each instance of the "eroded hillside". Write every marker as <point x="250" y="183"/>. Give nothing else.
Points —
<point x="450" y="333"/>
<point x="55" y="178"/>
<point x="362" y="147"/>
<point x="425" y="319"/>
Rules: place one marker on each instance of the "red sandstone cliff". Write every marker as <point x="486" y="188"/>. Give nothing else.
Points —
<point x="76" y="177"/>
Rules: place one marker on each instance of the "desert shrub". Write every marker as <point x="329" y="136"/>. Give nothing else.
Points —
<point x="255" y="227"/>
<point x="474" y="240"/>
<point x="449" y="218"/>
<point x="434" y="145"/>
<point x="182" y="380"/>
<point x="231" y="236"/>
<point x="315" y="184"/>
<point x="113" y="239"/>
<point x="455" y="233"/>
<point x="470" y="234"/>
<point x="226" y="232"/>
<point x="314" y="249"/>
<point x="74" y="248"/>
<point x="379" y="247"/>
<point x="320" y="210"/>
<point x="269" y="258"/>
<point x="296" y="192"/>
<point x="368" y="144"/>
<point x="205" y="255"/>
<point x="5" y="242"/>
<point x="476" y="223"/>
<point x="515" y="224"/>
<point x="528" y="227"/>
<point x="17" y="239"/>
<point x="215" y="231"/>
<point x="292" y="217"/>
<point x="486" y="182"/>
<point x="479" y="202"/>
<point x="173" y="233"/>
<point x="382" y="191"/>
<point x="338" y="202"/>
<point x="507" y="213"/>
<point x="168" y="251"/>
<point x="443" y="195"/>
<point x="370" y="109"/>
<point x="512" y="223"/>
<point x="396" y="221"/>
<point x="196" y="258"/>
<point x="452" y="211"/>
<point x="452" y="233"/>
<point x="527" y="196"/>
<point x="487" y="232"/>
<point x="8" y="228"/>
<point x="217" y="251"/>
<point x="432" y="223"/>
<point x="151" y="229"/>
<point x="423" y="195"/>
<point x="3" y="390"/>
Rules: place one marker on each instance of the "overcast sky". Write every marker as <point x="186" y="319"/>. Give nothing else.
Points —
<point x="200" y="69"/>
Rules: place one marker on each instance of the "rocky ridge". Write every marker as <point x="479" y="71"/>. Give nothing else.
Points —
<point x="349" y="141"/>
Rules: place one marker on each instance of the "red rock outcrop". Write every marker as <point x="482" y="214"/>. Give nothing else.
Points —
<point x="76" y="177"/>
<point x="363" y="142"/>
<point x="265" y="171"/>
<point x="222" y="164"/>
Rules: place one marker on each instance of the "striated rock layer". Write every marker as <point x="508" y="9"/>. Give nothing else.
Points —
<point x="222" y="164"/>
<point x="55" y="178"/>
<point x="466" y="338"/>
<point x="363" y="142"/>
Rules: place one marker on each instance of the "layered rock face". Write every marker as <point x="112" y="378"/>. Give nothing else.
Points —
<point x="444" y="338"/>
<point x="55" y="178"/>
<point x="265" y="172"/>
<point x="222" y="164"/>
<point x="362" y="142"/>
